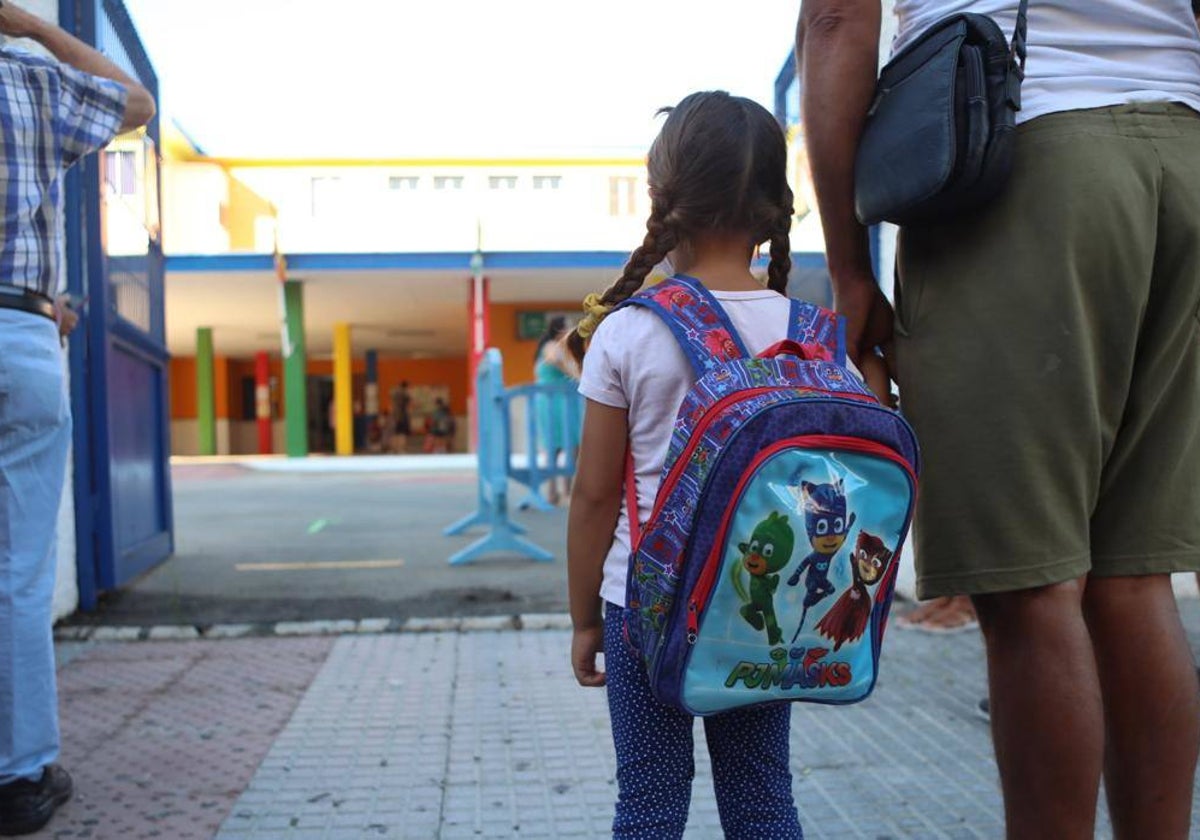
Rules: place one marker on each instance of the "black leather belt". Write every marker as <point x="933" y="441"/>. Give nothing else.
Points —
<point x="12" y="297"/>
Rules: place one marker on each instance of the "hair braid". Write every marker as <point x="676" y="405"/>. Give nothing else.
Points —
<point x="660" y="240"/>
<point x="781" y="251"/>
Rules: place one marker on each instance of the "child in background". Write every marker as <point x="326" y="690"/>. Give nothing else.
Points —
<point x="441" y="428"/>
<point x="718" y="188"/>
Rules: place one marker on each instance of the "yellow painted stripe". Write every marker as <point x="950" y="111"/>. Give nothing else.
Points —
<point x="424" y="163"/>
<point x="324" y="565"/>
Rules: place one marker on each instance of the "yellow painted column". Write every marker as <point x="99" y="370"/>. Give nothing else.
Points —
<point x="343" y="389"/>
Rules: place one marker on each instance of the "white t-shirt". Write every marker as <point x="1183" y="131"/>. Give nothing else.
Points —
<point x="635" y="363"/>
<point x="1087" y="53"/>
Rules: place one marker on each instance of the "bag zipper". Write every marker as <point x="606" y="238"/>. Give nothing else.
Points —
<point x="710" y="414"/>
<point x="704" y="585"/>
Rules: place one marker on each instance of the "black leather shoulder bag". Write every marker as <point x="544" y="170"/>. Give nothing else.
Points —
<point x="940" y="133"/>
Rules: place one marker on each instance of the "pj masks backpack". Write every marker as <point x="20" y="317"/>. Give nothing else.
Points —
<point x="766" y="570"/>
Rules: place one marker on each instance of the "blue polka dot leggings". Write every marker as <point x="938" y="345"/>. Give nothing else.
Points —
<point x="655" y="765"/>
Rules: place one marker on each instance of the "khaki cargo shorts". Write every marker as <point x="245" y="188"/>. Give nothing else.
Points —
<point x="1048" y="355"/>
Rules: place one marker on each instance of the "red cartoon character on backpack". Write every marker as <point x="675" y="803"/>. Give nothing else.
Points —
<point x="847" y="619"/>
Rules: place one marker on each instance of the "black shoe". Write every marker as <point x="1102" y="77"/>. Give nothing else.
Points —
<point x="985" y="709"/>
<point x="27" y="806"/>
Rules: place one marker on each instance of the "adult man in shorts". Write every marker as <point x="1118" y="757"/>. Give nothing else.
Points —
<point x="1047" y="350"/>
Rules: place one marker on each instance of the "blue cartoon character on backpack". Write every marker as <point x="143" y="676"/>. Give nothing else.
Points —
<point x="767" y="552"/>
<point x="827" y="525"/>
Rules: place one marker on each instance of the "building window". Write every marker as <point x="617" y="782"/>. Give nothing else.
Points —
<point x="120" y="170"/>
<point x="403" y="183"/>
<point x="547" y="182"/>
<point x="502" y="182"/>
<point x="448" y="182"/>
<point x="622" y="195"/>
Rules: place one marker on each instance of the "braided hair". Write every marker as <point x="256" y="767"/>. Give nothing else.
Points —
<point x="718" y="165"/>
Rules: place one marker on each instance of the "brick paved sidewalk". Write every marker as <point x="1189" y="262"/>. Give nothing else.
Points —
<point x="476" y="734"/>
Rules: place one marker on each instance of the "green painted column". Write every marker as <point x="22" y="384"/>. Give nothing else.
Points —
<point x="295" y="371"/>
<point x="206" y="394"/>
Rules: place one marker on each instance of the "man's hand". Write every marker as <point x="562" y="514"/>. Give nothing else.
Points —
<point x="869" y="319"/>
<point x="585" y="644"/>
<point x="16" y="22"/>
<point x="66" y="316"/>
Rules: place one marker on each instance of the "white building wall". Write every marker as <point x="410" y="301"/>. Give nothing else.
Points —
<point x="193" y="195"/>
<point x="354" y="209"/>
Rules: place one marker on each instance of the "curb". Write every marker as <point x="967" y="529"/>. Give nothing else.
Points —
<point x="367" y="626"/>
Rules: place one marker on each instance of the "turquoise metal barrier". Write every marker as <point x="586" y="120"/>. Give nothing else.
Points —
<point x="494" y="405"/>
<point x="561" y="405"/>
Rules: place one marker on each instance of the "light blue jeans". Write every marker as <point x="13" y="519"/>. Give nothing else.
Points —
<point x="35" y="431"/>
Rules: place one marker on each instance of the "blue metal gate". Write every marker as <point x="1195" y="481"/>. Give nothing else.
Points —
<point x="119" y="359"/>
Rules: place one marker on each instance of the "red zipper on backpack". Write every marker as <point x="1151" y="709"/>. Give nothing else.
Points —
<point x="713" y="411"/>
<point x="704" y="585"/>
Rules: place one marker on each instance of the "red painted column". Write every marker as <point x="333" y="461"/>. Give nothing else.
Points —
<point x="478" y="338"/>
<point x="262" y="402"/>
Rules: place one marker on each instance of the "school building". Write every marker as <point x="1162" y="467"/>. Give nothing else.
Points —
<point x="299" y="293"/>
<point x="243" y="306"/>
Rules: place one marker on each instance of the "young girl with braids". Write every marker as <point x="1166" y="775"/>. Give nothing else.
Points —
<point x="718" y="189"/>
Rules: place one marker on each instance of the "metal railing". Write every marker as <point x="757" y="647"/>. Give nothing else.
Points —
<point x="498" y="467"/>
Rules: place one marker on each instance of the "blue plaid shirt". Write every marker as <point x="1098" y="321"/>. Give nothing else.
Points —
<point x="51" y="115"/>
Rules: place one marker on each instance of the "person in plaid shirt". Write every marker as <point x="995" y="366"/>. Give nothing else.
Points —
<point x="52" y="113"/>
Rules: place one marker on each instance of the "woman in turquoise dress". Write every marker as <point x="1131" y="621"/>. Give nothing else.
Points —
<point x="556" y="426"/>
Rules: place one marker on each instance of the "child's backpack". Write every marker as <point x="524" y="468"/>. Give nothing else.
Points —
<point x="767" y="567"/>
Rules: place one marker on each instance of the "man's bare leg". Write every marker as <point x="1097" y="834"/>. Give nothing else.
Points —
<point x="1151" y="702"/>
<point x="1046" y="711"/>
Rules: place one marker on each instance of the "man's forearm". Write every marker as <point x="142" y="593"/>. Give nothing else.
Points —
<point x="70" y="50"/>
<point x="838" y="46"/>
<point x="15" y="21"/>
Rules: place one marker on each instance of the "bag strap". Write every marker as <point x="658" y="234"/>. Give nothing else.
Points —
<point x="1020" y="39"/>
<point x="708" y="338"/>
<point x="1017" y="53"/>
<point x="705" y="335"/>
<point x="631" y="501"/>
<point x="820" y="331"/>
<point x="696" y="319"/>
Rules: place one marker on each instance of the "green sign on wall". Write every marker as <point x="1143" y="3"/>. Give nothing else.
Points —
<point x="531" y="323"/>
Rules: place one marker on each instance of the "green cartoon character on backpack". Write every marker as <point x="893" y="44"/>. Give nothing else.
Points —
<point x="769" y="550"/>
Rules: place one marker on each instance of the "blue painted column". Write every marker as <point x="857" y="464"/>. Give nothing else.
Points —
<point x="371" y="391"/>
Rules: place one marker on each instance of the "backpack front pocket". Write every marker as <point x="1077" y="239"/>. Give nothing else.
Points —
<point x="793" y="595"/>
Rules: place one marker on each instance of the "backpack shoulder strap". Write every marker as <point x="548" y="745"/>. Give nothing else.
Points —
<point x="820" y="331"/>
<point x="702" y="328"/>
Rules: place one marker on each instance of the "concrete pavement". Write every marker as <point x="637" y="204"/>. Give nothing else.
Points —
<point x="255" y="546"/>
<point x="475" y="734"/>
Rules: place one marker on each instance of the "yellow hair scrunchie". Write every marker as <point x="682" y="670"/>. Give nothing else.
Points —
<point x="596" y="311"/>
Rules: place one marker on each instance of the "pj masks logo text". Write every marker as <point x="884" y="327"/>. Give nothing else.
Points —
<point x="801" y="668"/>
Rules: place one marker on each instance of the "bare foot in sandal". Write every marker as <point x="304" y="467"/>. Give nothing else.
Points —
<point x="923" y="612"/>
<point x="943" y="615"/>
<point x="956" y="614"/>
